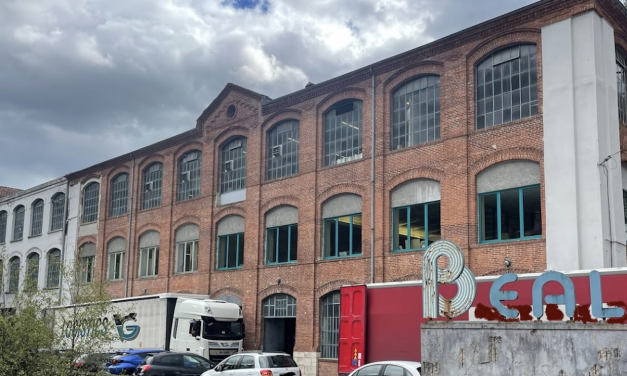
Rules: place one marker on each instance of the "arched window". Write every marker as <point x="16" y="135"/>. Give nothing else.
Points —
<point x="91" y="195"/>
<point x="58" y="211"/>
<point x="507" y="86"/>
<point x="87" y="262"/>
<point x="189" y="175"/>
<point x="330" y="325"/>
<point x="415" y="214"/>
<point x="119" y="195"/>
<point x="14" y="275"/>
<point x="416" y="112"/>
<point x="233" y="165"/>
<point x="621" y="85"/>
<point x="282" y="235"/>
<point x="151" y="191"/>
<point x="282" y="150"/>
<point x="3" y="226"/>
<point x="342" y="133"/>
<point x="186" y="257"/>
<point x="18" y="223"/>
<point x="53" y="276"/>
<point x="37" y="217"/>
<point x="342" y="226"/>
<point x="231" y="242"/>
<point x="116" y="249"/>
<point x="32" y="269"/>
<point x="149" y="254"/>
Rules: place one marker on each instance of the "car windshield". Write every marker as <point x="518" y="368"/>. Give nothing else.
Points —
<point x="225" y="330"/>
<point x="276" y="361"/>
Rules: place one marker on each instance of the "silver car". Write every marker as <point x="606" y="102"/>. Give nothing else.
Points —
<point x="256" y="363"/>
<point x="388" y="368"/>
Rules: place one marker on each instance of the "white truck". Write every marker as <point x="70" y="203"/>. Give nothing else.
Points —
<point x="213" y="329"/>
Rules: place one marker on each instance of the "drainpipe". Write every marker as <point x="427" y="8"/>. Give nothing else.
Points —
<point x="372" y="182"/>
<point x="64" y="237"/>
<point x="130" y="221"/>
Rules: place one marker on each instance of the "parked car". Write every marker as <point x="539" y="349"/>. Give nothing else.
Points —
<point x="389" y="368"/>
<point x="92" y="362"/>
<point x="125" y="362"/>
<point x="169" y="363"/>
<point x="257" y="363"/>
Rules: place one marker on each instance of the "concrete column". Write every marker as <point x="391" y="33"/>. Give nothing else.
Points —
<point x="583" y="192"/>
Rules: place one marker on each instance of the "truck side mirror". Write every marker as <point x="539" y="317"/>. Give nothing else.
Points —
<point x="197" y="338"/>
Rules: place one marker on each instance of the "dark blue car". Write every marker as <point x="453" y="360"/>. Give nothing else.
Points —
<point x="124" y="362"/>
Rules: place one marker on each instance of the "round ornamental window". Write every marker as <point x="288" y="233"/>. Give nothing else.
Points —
<point x="230" y="112"/>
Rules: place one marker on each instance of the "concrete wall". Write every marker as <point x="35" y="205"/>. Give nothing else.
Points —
<point x="523" y="349"/>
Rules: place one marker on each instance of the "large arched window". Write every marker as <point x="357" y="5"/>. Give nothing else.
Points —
<point x="32" y="269"/>
<point x="14" y="275"/>
<point x="342" y="133"/>
<point x="507" y="86"/>
<point x="152" y="183"/>
<point x="282" y="150"/>
<point x="233" y="165"/>
<point x="330" y="325"/>
<point x="58" y="211"/>
<point x="282" y="235"/>
<point x="91" y="195"/>
<point x="189" y="175"/>
<point x="53" y="276"/>
<point x="231" y="242"/>
<point x="37" y="217"/>
<point x="415" y="214"/>
<point x="18" y="223"/>
<point x="3" y="226"/>
<point x="621" y="85"/>
<point x="116" y="249"/>
<point x="416" y="112"/>
<point x="87" y="254"/>
<point x="186" y="257"/>
<point x="119" y="195"/>
<point x="342" y="226"/>
<point x="149" y="254"/>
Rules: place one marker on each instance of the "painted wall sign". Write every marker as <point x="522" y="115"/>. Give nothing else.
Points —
<point x="81" y="328"/>
<point x="435" y="305"/>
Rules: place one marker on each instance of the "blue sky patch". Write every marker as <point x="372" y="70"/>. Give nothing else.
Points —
<point x="248" y="4"/>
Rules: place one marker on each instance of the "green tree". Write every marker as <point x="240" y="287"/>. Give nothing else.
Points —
<point x="42" y="332"/>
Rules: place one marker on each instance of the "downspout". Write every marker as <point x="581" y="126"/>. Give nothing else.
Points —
<point x="130" y="221"/>
<point x="65" y="220"/>
<point x="372" y="140"/>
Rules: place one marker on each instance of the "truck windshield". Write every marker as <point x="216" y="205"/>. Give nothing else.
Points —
<point x="224" y="330"/>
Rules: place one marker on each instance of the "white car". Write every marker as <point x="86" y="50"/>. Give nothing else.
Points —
<point x="388" y="368"/>
<point x="256" y="363"/>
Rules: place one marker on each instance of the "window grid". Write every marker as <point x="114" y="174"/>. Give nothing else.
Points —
<point x="342" y="133"/>
<point x="18" y="223"/>
<point x="54" y="269"/>
<point x="282" y="150"/>
<point x="14" y="275"/>
<point x="151" y="191"/>
<point x="282" y="244"/>
<point x="3" y="227"/>
<point x="621" y="85"/>
<point x="116" y="264"/>
<point x="90" y="203"/>
<point x="186" y="257"/>
<point x="32" y="272"/>
<point x="148" y="261"/>
<point x="233" y="166"/>
<point x="189" y="175"/>
<point x="492" y="221"/>
<point x="230" y="251"/>
<point x="279" y="305"/>
<point x="58" y="210"/>
<point x="119" y="195"/>
<point x="37" y="218"/>
<point x="87" y="268"/>
<point x="335" y="244"/>
<point x="429" y="213"/>
<point x="416" y="113"/>
<point x="507" y="86"/>
<point x="330" y="325"/>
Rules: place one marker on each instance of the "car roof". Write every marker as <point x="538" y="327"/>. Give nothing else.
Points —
<point x="140" y="351"/>
<point x="408" y="363"/>
<point x="163" y="353"/>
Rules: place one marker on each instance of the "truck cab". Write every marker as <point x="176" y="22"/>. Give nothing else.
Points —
<point x="211" y="328"/>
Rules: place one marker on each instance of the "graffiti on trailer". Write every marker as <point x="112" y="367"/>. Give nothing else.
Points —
<point x="80" y="328"/>
<point x="435" y="305"/>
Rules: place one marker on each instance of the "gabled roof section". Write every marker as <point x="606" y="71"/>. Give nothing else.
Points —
<point x="6" y="191"/>
<point x="229" y="88"/>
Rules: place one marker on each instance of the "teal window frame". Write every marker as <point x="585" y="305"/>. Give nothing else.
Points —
<point x="239" y="263"/>
<point x="324" y="236"/>
<point x="426" y="219"/>
<point x="290" y="253"/>
<point x="498" y="213"/>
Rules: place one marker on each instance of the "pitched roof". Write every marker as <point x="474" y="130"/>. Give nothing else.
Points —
<point x="5" y="191"/>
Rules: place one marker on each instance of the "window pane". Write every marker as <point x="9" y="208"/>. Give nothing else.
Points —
<point x="356" y="250"/>
<point x="417" y="114"/>
<point x="90" y="203"/>
<point x="329" y="325"/>
<point x="400" y="228"/>
<point x="3" y="226"/>
<point x="223" y="242"/>
<point x="293" y="242"/>
<point x="510" y="215"/>
<point x="330" y="238"/>
<point x="417" y="226"/>
<point x="232" y="251"/>
<point x="58" y="210"/>
<point x="272" y="244"/>
<point x="433" y="214"/>
<point x="489" y="217"/>
<point x="37" y="218"/>
<point x="233" y="165"/>
<point x="119" y="195"/>
<point x="18" y="223"/>
<point x="152" y="184"/>
<point x="532" y="211"/>
<point x="282" y="150"/>
<point x="54" y="268"/>
<point x="283" y="243"/>
<point x="392" y="370"/>
<point x="343" y="236"/>
<point x="189" y="175"/>
<point x="343" y="133"/>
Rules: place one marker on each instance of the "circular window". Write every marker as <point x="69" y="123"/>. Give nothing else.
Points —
<point x="230" y="112"/>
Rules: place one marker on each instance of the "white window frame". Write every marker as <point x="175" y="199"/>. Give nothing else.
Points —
<point x="115" y="266"/>
<point x="182" y="263"/>
<point x="148" y="261"/>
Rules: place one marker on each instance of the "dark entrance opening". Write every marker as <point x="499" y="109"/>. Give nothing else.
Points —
<point x="279" y="329"/>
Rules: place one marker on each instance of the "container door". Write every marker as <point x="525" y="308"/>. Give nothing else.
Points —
<point x="352" y="328"/>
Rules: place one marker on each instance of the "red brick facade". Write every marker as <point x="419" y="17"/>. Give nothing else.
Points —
<point x="454" y="160"/>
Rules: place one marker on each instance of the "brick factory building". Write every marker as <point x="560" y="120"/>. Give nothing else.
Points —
<point x="506" y="138"/>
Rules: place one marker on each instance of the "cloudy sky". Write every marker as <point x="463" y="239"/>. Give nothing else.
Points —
<point x="82" y="81"/>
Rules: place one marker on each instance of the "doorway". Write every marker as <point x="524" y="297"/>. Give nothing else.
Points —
<point x="279" y="323"/>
